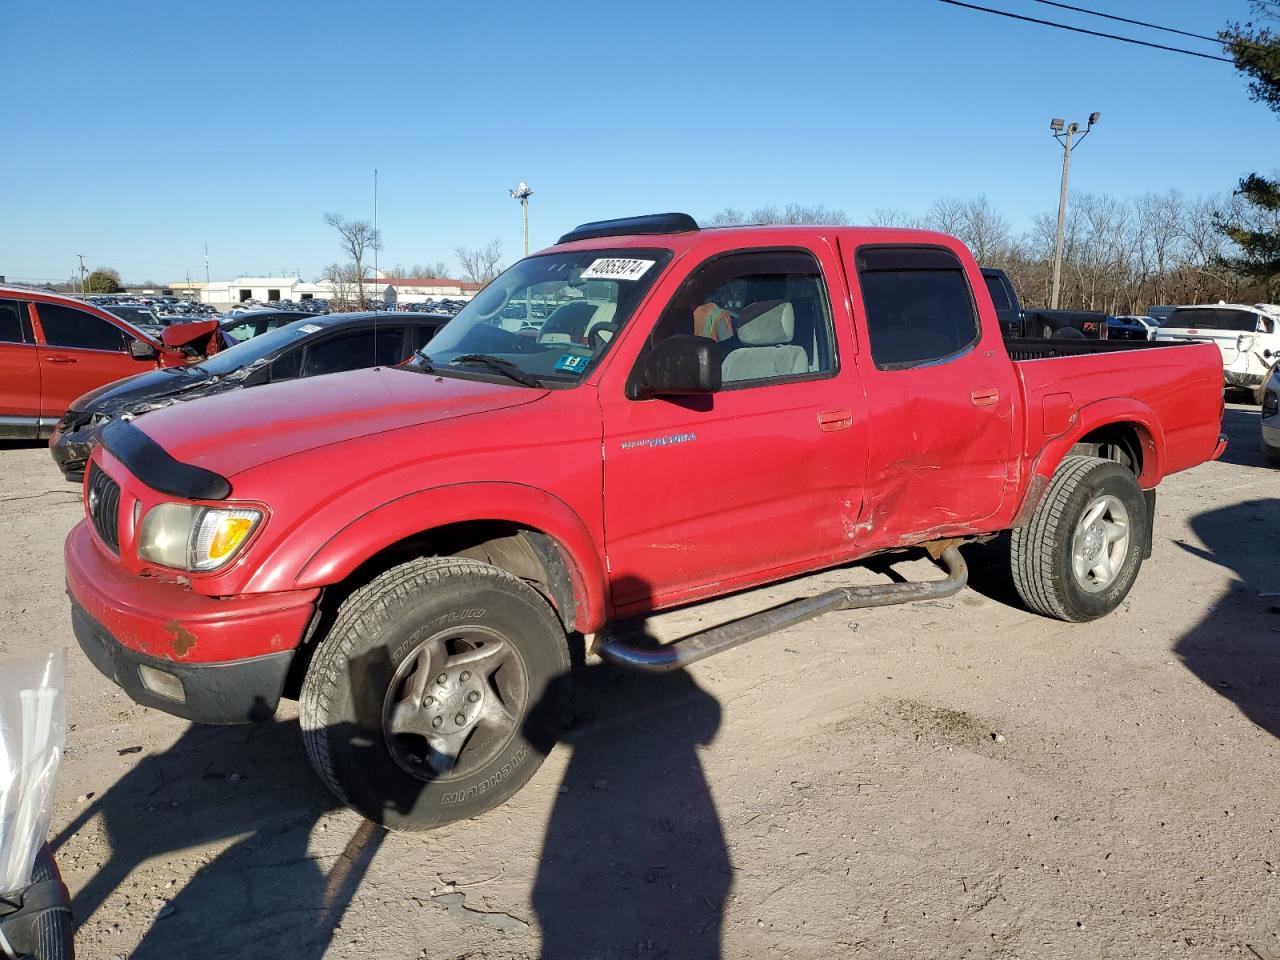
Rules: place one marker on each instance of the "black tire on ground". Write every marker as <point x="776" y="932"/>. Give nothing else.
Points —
<point x="429" y="644"/>
<point x="1044" y="553"/>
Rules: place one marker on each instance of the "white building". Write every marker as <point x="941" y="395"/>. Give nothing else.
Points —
<point x="227" y="293"/>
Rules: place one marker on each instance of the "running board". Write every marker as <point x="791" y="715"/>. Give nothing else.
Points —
<point x="698" y="646"/>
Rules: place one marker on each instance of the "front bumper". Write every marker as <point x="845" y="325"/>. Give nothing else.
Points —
<point x="230" y="653"/>
<point x="238" y="691"/>
<point x="70" y="450"/>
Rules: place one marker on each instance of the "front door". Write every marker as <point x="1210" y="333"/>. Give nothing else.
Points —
<point x="708" y="492"/>
<point x="79" y="351"/>
<point x="940" y="396"/>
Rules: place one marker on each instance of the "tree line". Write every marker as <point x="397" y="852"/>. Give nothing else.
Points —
<point x="1119" y="255"/>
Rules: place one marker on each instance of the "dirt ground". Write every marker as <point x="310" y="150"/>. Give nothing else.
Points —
<point x="948" y="779"/>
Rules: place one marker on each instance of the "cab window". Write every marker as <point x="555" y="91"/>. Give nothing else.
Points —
<point x="918" y="306"/>
<point x="767" y="312"/>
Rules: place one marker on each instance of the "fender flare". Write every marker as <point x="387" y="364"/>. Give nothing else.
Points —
<point x="424" y="510"/>
<point x="1118" y="411"/>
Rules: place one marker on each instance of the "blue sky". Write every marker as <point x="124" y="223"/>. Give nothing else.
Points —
<point x="141" y="130"/>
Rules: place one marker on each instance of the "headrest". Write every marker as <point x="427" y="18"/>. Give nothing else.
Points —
<point x="767" y="324"/>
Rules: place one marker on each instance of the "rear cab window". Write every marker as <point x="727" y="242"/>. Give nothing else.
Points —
<point x="1240" y="321"/>
<point x="918" y="306"/>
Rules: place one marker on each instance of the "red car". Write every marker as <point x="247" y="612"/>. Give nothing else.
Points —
<point x="54" y="348"/>
<point x="412" y="549"/>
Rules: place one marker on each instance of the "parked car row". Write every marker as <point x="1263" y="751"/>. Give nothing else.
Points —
<point x="292" y="348"/>
<point x="53" y="348"/>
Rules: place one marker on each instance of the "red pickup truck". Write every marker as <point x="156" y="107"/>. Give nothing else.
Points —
<point x="413" y="550"/>
<point x="54" y="348"/>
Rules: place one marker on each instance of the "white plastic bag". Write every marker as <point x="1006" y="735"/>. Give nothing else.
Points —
<point x="33" y="731"/>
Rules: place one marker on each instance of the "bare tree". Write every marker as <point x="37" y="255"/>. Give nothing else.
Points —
<point x="893" y="217"/>
<point x="771" y="215"/>
<point x="483" y="264"/>
<point x="358" y="237"/>
<point x="342" y="277"/>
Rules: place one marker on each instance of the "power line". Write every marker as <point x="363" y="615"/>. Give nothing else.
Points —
<point x="1136" y="23"/>
<point x="1092" y="33"/>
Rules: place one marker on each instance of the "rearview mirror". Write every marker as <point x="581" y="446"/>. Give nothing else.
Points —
<point x="681" y="365"/>
<point x="141" y="350"/>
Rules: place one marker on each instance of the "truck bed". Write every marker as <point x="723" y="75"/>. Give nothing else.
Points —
<point x="1027" y="348"/>
<point x="1173" y="391"/>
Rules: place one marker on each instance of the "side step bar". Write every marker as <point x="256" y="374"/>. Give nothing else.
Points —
<point x="699" y="646"/>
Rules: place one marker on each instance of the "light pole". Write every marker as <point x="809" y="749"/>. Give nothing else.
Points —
<point x="1064" y="136"/>
<point x="81" y="256"/>
<point x="523" y="193"/>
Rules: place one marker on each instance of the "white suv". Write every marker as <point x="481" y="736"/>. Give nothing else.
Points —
<point x="1248" y="336"/>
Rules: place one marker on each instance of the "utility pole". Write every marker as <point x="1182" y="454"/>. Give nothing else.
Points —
<point x="523" y="193"/>
<point x="1064" y="136"/>
<point x="206" y="262"/>
<point x="81" y="256"/>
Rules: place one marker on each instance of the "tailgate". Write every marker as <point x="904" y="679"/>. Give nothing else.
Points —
<point x="1175" y="392"/>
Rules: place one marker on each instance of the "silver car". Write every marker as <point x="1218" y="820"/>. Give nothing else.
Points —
<point x="1271" y="417"/>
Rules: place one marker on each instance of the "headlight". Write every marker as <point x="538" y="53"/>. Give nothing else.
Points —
<point x="188" y="537"/>
<point x="1245" y="342"/>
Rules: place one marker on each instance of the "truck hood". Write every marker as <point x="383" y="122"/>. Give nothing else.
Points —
<point x="236" y="431"/>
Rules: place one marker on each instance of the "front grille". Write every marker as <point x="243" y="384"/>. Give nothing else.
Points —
<point x="104" y="507"/>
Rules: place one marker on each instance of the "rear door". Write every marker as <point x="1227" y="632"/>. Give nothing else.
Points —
<point x="941" y="393"/>
<point x="19" y="372"/>
<point x="78" y="351"/>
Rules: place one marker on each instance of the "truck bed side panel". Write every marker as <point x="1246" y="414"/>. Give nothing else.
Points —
<point x="1173" y="395"/>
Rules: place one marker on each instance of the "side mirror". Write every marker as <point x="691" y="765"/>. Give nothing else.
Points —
<point x="141" y="350"/>
<point x="681" y="365"/>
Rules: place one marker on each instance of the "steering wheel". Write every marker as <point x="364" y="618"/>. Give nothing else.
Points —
<point x="595" y="338"/>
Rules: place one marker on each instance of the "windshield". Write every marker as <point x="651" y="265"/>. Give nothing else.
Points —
<point x="135" y="315"/>
<point x="550" y="317"/>
<point x="1235" y="320"/>
<point x="242" y="354"/>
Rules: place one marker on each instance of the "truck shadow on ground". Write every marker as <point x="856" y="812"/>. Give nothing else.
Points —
<point x="1235" y="648"/>
<point x="633" y="860"/>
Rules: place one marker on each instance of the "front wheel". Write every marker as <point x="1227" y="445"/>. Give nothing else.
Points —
<point x="1080" y="554"/>
<point x="436" y="694"/>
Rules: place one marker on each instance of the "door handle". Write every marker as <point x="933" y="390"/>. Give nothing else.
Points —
<point x="984" y="396"/>
<point x="831" y="420"/>
<point x="61" y="359"/>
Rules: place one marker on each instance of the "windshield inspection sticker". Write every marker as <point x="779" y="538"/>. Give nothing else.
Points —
<point x="573" y="362"/>
<point x="617" y="268"/>
<point x="310" y="328"/>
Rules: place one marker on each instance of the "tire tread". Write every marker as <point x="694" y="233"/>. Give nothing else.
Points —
<point x="361" y="614"/>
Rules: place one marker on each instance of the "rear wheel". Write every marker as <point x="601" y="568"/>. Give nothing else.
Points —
<point x="436" y="694"/>
<point x="1080" y="554"/>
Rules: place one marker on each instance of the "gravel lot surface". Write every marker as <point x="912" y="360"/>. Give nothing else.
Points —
<point x="949" y="779"/>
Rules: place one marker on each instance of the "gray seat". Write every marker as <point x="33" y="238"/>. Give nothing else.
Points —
<point x="765" y="332"/>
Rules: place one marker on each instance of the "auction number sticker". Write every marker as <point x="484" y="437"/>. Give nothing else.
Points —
<point x="617" y="268"/>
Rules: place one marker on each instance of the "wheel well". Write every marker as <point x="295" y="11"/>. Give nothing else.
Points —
<point x="526" y="553"/>
<point x="1123" y="443"/>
